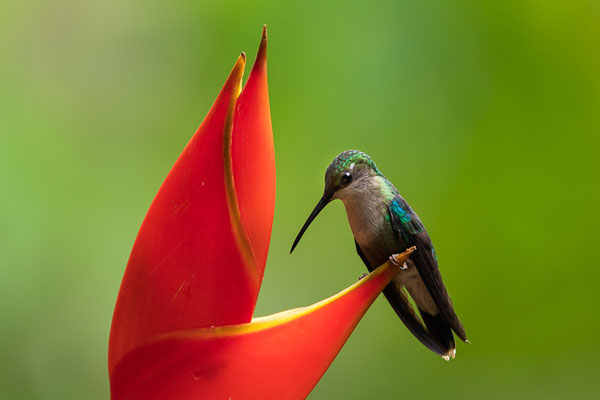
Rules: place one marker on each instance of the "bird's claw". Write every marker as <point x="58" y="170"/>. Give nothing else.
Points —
<point x="395" y="261"/>
<point x="362" y="276"/>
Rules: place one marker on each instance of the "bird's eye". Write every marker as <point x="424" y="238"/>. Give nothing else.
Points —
<point x="346" y="178"/>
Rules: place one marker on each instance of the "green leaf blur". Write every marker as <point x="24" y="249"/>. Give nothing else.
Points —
<point x="486" y="116"/>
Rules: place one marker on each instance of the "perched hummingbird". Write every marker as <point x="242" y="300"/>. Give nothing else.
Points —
<point x="384" y="224"/>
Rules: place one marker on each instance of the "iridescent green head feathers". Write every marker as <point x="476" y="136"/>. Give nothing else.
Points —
<point x="346" y="167"/>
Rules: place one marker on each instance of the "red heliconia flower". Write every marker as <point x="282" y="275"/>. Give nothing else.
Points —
<point x="183" y="327"/>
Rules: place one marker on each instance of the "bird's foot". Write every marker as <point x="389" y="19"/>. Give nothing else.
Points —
<point x="362" y="276"/>
<point x="395" y="261"/>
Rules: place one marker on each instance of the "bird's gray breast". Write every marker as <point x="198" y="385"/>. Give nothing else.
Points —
<point x="372" y="231"/>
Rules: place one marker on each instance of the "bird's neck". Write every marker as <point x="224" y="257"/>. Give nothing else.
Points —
<point x="369" y="192"/>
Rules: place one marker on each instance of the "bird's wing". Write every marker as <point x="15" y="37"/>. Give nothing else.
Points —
<point x="405" y="312"/>
<point x="410" y="230"/>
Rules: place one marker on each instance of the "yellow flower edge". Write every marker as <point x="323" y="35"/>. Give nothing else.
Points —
<point x="385" y="271"/>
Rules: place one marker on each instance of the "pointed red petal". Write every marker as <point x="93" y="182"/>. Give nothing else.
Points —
<point x="253" y="158"/>
<point x="186" y="259"/>
<point x="278" y="357"/>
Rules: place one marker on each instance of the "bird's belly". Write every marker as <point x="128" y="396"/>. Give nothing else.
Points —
<point x="373" y="253"/>
<point x="376" y="246"/>
<point x="363" y="238"/>
<point x="413" y="282"/>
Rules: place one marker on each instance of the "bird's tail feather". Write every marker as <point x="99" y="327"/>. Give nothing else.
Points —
<point x="439" y="328"/>
<point x="405" y="311"/>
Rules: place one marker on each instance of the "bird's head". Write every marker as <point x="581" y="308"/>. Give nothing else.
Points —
<point x="348" y="172"/>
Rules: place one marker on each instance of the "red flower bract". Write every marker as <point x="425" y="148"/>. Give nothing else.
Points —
<point x="199" y="257"/>
<point x="182" y="327"/>
<point x="282" y="356"/>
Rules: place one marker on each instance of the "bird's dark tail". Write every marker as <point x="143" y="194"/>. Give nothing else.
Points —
<point x="405" y="311"/>
<point x="439" y="328"/>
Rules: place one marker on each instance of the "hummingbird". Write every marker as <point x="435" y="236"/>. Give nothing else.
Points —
<point x="383" y="224"/>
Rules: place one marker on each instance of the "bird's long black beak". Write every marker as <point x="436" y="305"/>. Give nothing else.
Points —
<point x="320" y="205"/>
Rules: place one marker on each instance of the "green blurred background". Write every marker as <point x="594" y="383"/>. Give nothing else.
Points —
<point x="485" y="115"/>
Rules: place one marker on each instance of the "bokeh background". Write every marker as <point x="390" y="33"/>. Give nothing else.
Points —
<point x="485" y="115"/>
